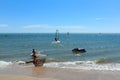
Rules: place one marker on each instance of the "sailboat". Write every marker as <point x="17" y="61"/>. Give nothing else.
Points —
<point x="56" y="39"/>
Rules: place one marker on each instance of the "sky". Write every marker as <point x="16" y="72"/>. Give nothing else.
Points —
<point x="45" y="16"/>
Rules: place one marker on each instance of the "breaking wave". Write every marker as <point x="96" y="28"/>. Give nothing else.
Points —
<point x="101" y="64"/>
<point x="4" y="64"/>
<point x="84" y="65"/>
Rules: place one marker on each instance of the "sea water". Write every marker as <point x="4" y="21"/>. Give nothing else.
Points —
<point x="102" y="50"/>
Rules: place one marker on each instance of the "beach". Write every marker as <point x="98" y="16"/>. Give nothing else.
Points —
<point x="60" y="40"/>
<point x="19" y="77"/>
<point x="44" y="73"/>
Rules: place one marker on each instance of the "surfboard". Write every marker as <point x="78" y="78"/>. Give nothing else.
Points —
<point x="38" y="54"/>
<point x="56" y="42"/>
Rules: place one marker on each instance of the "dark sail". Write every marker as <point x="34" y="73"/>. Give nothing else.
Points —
<point x="57" y="35"/>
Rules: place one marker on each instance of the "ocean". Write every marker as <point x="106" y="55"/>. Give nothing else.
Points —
<point x="102" y="50"/>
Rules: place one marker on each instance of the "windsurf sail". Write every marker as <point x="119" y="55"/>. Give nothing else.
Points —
<point x="57" y="35"/>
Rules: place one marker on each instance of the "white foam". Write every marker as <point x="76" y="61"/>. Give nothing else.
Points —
<point x="55" y="42"/>
<point x="84" y="65"/>
<point x="19" y="62"/>
<point x="4" y="64"/>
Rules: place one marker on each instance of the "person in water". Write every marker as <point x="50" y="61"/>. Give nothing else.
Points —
<point x="37" y="61"/>
<point x="35" y="57"/>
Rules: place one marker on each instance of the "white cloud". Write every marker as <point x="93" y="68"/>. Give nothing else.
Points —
<point x="35" y="26"/>
<point x="99" y="18"/>
<point x="45" y="26"/>
<point x="50" y="28"/>
<point x="71" y="27"/>
<point x="3" y="25"/>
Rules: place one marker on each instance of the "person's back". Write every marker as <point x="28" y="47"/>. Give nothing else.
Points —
<point x="34" y="57"/>
<point x="34" y="54"/>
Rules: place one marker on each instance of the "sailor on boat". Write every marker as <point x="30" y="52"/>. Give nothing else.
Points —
<point x="56" y="39"/>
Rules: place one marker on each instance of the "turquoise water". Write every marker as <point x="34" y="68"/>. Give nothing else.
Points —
<point x="102" y="47"/>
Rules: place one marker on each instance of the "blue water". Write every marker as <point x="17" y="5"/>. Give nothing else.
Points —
<point x="18" y="46"/>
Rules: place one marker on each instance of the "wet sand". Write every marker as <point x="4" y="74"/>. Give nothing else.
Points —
<point x="21" y="77"/>
<point x="43" y="73"/>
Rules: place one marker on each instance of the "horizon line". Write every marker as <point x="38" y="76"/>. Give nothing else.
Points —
<point x="59" y="32"/>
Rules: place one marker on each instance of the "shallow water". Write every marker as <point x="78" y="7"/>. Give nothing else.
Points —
<point x="102" y="49"/>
